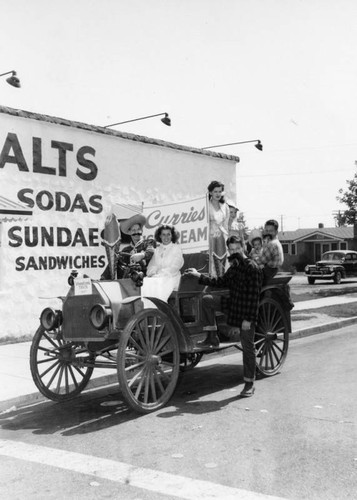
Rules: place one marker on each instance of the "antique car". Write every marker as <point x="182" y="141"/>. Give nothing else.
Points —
<point x="148" y="341"/>
<point x="334" y="265"/>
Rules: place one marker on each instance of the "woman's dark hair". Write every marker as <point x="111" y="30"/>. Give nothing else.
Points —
<point x="174" y="233"/>
<point x="215" y="184"/>
<point x="234" y="239"/>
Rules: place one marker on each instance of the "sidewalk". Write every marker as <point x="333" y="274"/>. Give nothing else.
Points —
<point x="323" y="302"/>
<point x="18" y="389"/>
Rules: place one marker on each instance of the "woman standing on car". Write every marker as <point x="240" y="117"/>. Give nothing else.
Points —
<point x="218" y="212"/>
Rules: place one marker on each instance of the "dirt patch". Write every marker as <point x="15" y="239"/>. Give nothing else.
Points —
<point x="335" y="311"/>
<point x="8" y="339"/>
<point x="310" y="318"/>
<point x="303" y="316"/>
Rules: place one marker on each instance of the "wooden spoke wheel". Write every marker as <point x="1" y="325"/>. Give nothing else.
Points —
<point x="271" y="337"/>
<point x="148" y="361"/>
<point x="60" y="369"/>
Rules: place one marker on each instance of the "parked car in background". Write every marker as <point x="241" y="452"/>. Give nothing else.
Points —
<point x="335" y="265"/>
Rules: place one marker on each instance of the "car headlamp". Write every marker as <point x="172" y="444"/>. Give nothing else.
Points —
<point x="51" y="319"/>
<point x="99" y="316"/>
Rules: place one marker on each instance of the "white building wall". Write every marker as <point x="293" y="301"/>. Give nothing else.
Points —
<point x="42" y="164"/>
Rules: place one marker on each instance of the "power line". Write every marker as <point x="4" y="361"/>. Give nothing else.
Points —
<point x="297" y="173"/>
<point x="310" y="147"/>
<point x="295" y="216"/>
<point x="284" y="217"/>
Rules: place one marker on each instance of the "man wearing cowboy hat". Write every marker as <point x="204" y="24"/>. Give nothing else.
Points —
<point x="139" y="251"/>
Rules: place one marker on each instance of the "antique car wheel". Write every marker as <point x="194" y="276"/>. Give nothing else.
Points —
<point x="190" y="361"/>
<point x="338" y="277"/>
<point x="148" y="361"/>
<point x="311" y="281"/>
<point x="58" y="367"/>
<point x="271" y="337"/>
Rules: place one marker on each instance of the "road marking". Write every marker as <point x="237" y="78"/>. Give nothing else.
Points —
<point x="138" y="477"/>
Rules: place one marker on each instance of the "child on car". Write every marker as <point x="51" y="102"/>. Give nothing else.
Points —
<point x="256" y="241"/>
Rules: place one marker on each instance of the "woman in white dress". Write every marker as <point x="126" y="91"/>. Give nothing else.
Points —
<point x="218" y="211"/>
<point x="167" y="259"/>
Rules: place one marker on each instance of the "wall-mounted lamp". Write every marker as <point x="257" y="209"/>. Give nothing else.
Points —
<point x="166" y="120"/>
<point x="259" y="145"/>
<point x="13" y="79"/>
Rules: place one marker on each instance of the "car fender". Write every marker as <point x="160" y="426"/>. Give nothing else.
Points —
<point x="341" y="269"/>
<point x="336" y="267"/>
<point x="282" y="295"/>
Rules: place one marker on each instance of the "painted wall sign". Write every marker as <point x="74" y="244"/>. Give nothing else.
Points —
<point x="189" y="218"/>
<point x="70" y="176"/>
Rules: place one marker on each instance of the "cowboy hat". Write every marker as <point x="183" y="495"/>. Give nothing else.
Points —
<point x="255" y="234"/>
<point x="126" y="225"/>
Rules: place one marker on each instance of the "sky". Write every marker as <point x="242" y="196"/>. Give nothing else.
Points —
<point x="281" y="71"/>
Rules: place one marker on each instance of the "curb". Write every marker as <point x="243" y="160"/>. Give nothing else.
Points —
<point x="326" y="327"/>
<point x="14" y="404"/>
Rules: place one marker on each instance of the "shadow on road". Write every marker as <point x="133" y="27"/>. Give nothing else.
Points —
<point x="104" y="408"/>
<point x="190" y="396"/>
<point x="89" y="412"/>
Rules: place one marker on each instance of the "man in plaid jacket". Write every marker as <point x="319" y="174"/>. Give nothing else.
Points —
<point x="244" y="280"/>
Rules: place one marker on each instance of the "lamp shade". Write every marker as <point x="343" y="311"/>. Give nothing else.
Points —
<point x="166" y="120"/>
<point x="14" y="81"/>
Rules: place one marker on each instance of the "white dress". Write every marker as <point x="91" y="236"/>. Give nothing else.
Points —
<point x="218" y="233"/>
<point x="166" y="262"/>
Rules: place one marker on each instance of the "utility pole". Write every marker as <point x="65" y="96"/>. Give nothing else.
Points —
<point x="281" y="222"/>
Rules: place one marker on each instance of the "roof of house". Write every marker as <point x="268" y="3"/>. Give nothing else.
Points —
<point x="109" y="131"/>
<point x="343" y="233"/>
<point x="11" y="210"/>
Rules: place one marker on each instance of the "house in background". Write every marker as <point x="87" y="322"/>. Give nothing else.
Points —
<point x="305" y="246"/>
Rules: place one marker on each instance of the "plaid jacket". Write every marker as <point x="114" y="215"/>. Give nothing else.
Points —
<point x="272" y="255"/>
<point x="244" y="281"/>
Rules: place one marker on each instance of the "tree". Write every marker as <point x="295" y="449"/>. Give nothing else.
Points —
<point x="349" y="198"/>
<point x="340" y="219"/>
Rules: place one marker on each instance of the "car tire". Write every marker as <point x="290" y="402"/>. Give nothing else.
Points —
<point x="337" y="278"/>
<point x="311" y="281"/>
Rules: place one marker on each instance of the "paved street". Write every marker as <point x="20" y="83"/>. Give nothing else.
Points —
<point x="296" y="438"/>
<point x="299" y="285"/>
